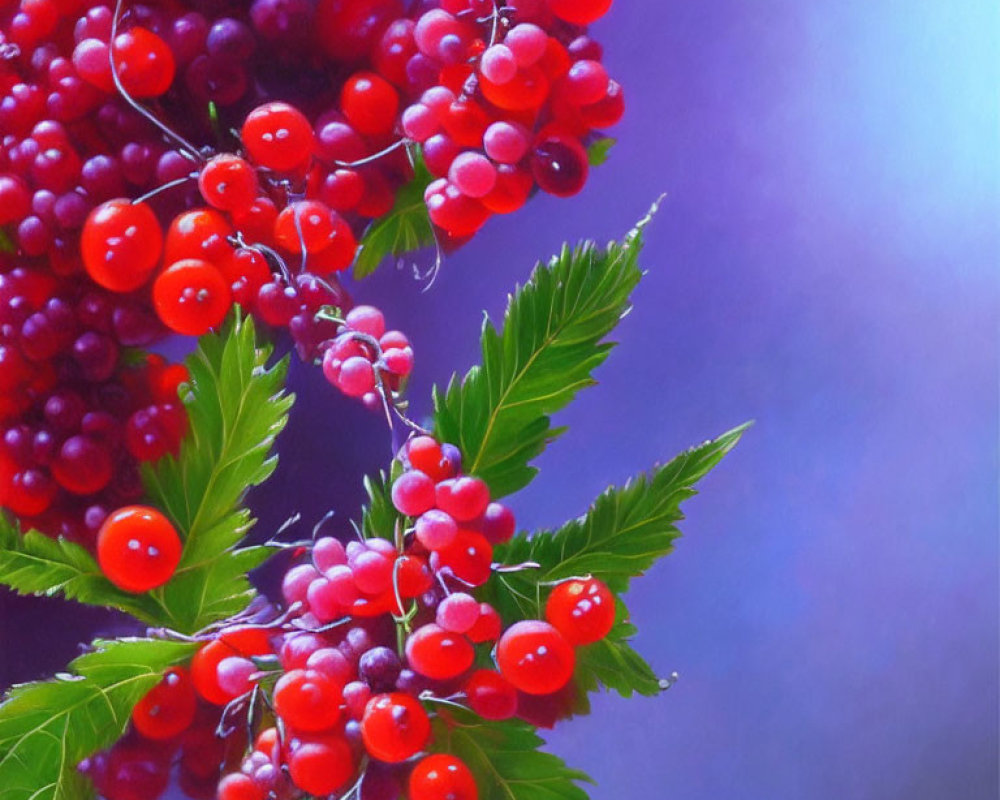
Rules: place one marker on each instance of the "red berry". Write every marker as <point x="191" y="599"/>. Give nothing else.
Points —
<point x="370" y="103"/>
<point x="527" y="91"/>
<point x="464" y="498"/>
<point x="240" y="787"/>
<point x="138" y="548"/>
<point x="535" y="657"/>
<point x="321" y="766"/>
<point x="191" y="297"/>
<point x="559" y="164"/>
<point x="278" y="136"/>
<point x="442" y="777"/>
<point x="582" y="610"/>
<point x="168" y="708"/>
<point x="469" y="557"/>
<point x="229" y="183"/>
<point x="199" y="233"/>
<point x="394" y="727"/>
<point x="307" y="222"/>
<point x="121" y="244"/>
<point x="487" y="627"/>
<point x="438" y="654"/>
<point x="205" y="672"/>
<point x="579" y="12"/>
<point x="308" y="700"/>
<point x="490" y="695"/>
<point x="425" y="454"/>
<point x="144" y="63"/>
<point x="413" y="493"/>
<point x="83" y="465"/>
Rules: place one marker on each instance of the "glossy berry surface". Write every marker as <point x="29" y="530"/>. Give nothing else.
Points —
<point x="582" y="610"/>
<point x="168" y="709"/>
<point x="535" y="657"/>
<point x="395" y="727"/>
<point x="138" y="548"/>
<point x="442" y="777"/>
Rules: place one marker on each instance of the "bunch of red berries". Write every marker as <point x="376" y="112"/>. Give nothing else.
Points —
<point x="377" y="639"/>
<point x="75" y="419"/>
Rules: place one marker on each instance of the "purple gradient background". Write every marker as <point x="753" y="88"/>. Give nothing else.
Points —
<point x="825" y="263"/>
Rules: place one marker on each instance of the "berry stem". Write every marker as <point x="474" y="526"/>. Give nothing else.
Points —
<point x="166" y="129"/>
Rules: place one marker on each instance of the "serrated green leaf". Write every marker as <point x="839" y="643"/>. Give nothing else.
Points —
<point x="550" y="344"/>
<point x="47" y="728"/>
<point x="624" y="532"/>
<point x="614" y="664"/>
<point x="236" y="408"/>
<point x="599" y="149"/>
<point x="404" y="229"/>
<point x="378" y="518"/>
<point x="505" y="759"/>
<point x="32" y="563"/>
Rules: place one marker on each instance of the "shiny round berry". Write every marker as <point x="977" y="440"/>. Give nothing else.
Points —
<point x="168" y="708"/>
<point x="322" y="765"/>
<point x="83" y="465"/>
<point x="535" y="657"/>
<point x="228" y="183"/>
<point x="413" y="493"/>
<point x="438" y="654"/>
<point x="198" y="233"/>
<point x="143" y="62"/>
<point x="464" y="498"/>
<point x="582" y="610"/>
<point x="278" y="136"/>
<point x="579" y="12"/>
<point x="490" y="695"/>
<point x="121" y="244"/>
<point x="442" y="777"/>
<point x="395" y="727"/>
<point x="308" y="700"/>
<point x="138" y="548"/>
<point x="560" y="166"/>
<point x="192" y="297"/>
<point x="370" y="103"/>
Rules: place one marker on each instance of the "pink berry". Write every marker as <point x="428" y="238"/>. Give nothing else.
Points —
<point x="356" y="376"/>
<point x="296" y="583"/>
<point x="458" y="612"/>
<point x="234" y="675"/>
<point x="506" y="142"/>
<point x="419" y="122"/>
<point x="413" y="493"/>
<point x="323" y="601"/>
<point x="464" y="498"/>
<point x="435" y="529"/>
<point x="327" y="553"/>
<point x="342" y="585"/>
<point x="438" y="99"/>
<point x="366" y="319"/>
<point x="473" y="174"/>
<point x="586" y="83"/>
<point x="372" y="573"/>
<point x="498" y="523"/>
<point x="527" y="42"/>
<point x="399" y="360"/>
<point x="498" y="64"/>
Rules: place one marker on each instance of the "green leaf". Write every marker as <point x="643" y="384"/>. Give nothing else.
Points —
<point x="505" y="759"/>
<point x="47" y="728"/>
<point x="236" y="408"/>
<point x="404" y="229"/>
<point x="551" y="342"/>
<point x="614" y="664"/>
<point x="599" y="149"/>
<point x="624" y="532"/>
<point x="32" y="563"/>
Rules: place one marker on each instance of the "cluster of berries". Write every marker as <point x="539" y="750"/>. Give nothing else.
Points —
<point x="376" y="640"/>
<point x="76" y="418"/>
<point x="364" y="356"/>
